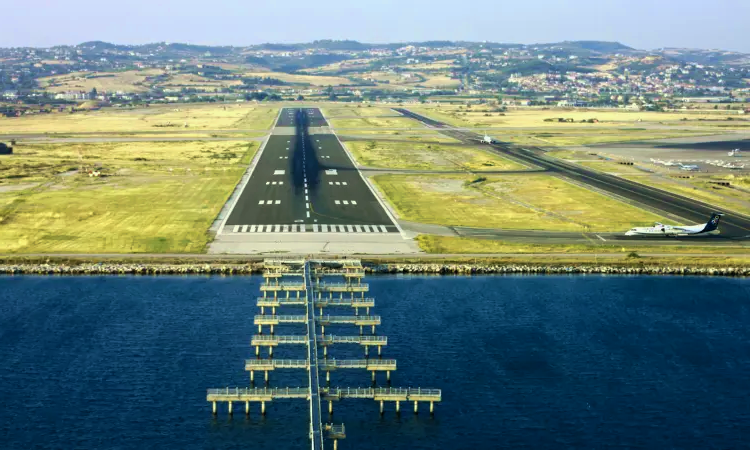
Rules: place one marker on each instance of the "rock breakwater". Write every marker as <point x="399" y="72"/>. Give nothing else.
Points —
<point x="391" y="268"/>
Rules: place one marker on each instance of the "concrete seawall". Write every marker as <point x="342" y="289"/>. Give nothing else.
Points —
<point x="395" y="268"/>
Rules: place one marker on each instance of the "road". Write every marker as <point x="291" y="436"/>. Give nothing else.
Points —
<point x="733" y="226"/>
<point x="306" y="183"/>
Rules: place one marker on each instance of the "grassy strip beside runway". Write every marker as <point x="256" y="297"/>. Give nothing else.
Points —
<point x="703" y="190"/>
<point x="427" y="156"/>
<point x="528" y="202"/>
<point x="376" y="122"/>
<point x="459" y="245"/>
<point x="182" y="117"/>
<point x="150" y="197"/>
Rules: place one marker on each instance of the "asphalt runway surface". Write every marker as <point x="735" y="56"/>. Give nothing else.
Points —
<point x="313" y="117"/>
<point x="306" y="183"/>
<point x="733" y="226"/>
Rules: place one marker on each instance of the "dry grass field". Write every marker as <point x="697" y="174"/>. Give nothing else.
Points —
<point x="427" y="156"/>
<point x="150" y="197"/>
<point x="128" y="81"/>
<point x="476" y="117"/>
<point x="439" y="81"/>
<point x="162" y="118"/>
<point x="314" y="80"/>
<point x="187" y="80"/>
<point x="528" y="201"/>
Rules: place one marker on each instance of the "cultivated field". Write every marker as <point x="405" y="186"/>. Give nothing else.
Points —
<point x="528" y="201"/>
<point x="189" y="117"/>
<point x="427" y="156"/>
<point x="151" y="197"/>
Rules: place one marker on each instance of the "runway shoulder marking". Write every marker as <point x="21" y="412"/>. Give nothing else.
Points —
<point x="314" y="228"/>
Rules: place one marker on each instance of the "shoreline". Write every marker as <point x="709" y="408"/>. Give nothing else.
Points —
<point x="373" y="268"/>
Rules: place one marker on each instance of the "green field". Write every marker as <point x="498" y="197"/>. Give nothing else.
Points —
<point x="151" y="197"/>
<point x="528" y="201"/>
<point x="427" y="156"/>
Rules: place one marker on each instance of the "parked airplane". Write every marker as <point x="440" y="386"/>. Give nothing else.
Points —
<point x="735" y="152"/>
<point x="669" y="230"/>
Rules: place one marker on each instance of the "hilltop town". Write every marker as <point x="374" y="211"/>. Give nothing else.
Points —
<point x="566" y="74"/>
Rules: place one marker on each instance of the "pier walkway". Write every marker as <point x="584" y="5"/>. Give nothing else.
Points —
<point x="299" y="283"/>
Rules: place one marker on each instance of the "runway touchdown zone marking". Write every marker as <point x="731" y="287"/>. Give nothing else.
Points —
<point x="315" y="228"/>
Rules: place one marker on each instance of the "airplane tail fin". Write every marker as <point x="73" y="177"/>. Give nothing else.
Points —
<point x="713" y="223"/>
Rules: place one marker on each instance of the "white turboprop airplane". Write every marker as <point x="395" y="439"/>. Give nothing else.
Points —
<point x="670" y="230"/>
<point x="735" y="152"/>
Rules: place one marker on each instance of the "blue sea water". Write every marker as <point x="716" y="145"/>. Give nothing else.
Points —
<point x="523" y="362"/>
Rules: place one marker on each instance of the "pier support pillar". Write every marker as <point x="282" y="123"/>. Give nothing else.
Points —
<point x="321" y="310"/>
<point x="361" y="330"/>
<point x="380" y="349"/>
<point x="325" y="351"/>
<point x="328" y="376"/>
<point x="263" y="310"/>
<point x="398" y="406"/>
<point x="230" y="408"/>
<point x="335" y="444"/>
<point x="263" y="408"/>
<point x="214" y="408"/>
<point x="322" y="329"/>
<point x="270" y="351"/>
<point x="356" y="311"/>
<point x="260" y="329"/>
<point x="330" y="407"/>
<point x="266" y="376"/>
<point x="252" y="377"/>
<point x="257" y="350"/>
<point x="271" y="329"/>
<point x="373" y="377"/>
<point x="367" y="351"/>
<point x="273" y="310"/>
<point x="381" y="407"/>
<point x="388" y="376"/>
<point x="368" y="310"/>
<point x="247" y="408"/>
<point x="432" y="407"/>
<point x="416" y="407"/>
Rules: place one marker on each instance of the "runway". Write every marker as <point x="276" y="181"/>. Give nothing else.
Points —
<point x="306" y="183"/>
<point x="733" y="226"/>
